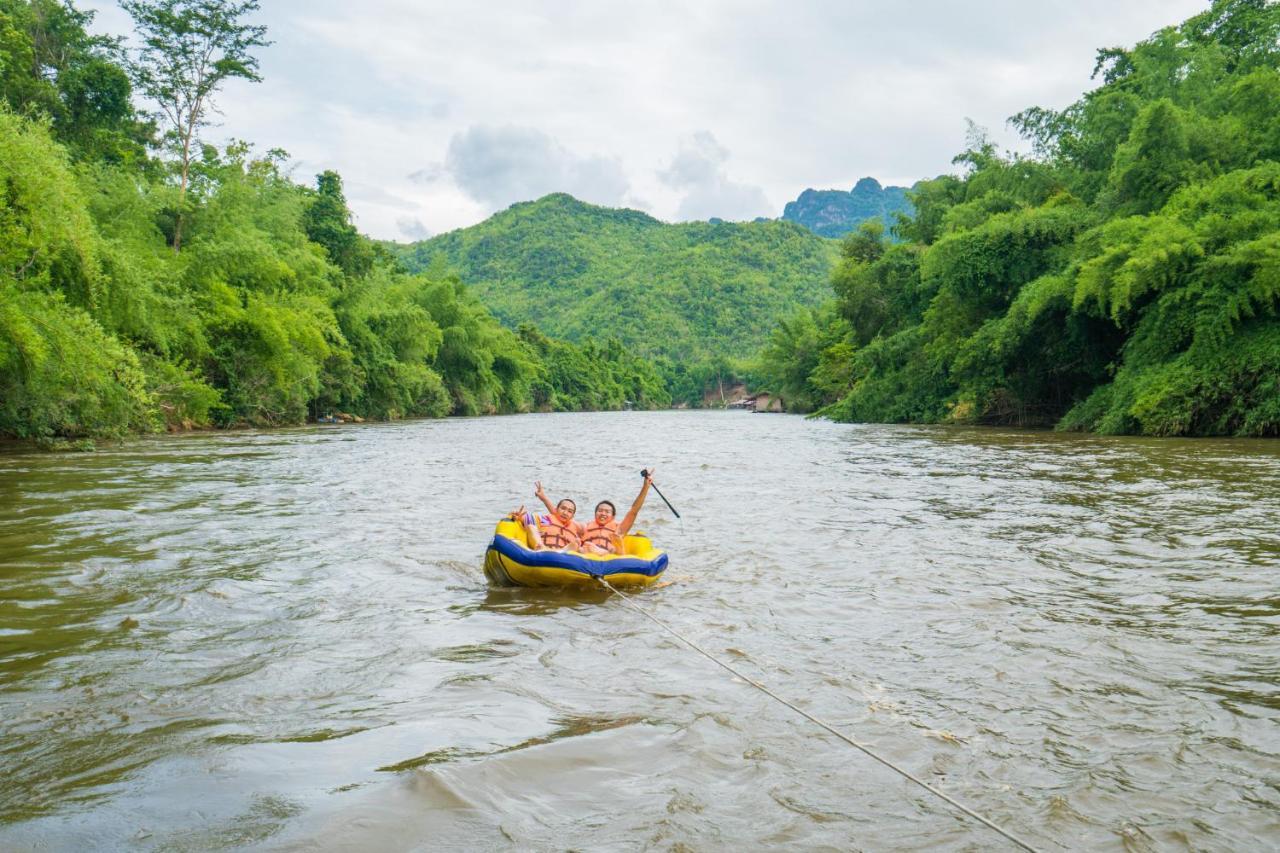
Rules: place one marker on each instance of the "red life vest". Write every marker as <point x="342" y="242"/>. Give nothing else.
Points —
<point x="556" y="535"/>
<point x="603" y="536"/>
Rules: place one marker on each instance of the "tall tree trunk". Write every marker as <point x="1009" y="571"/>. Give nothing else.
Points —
<point x="182" y="193"/>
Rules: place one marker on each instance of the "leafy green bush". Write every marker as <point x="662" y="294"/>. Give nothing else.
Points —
<point x="60" y="374"/>
<point x="275" y="309"/>
<point x="1126" y="281"/>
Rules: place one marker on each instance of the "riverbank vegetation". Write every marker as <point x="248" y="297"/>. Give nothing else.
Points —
<point x="1124" y="278"/>
<point x="151" y="281"/>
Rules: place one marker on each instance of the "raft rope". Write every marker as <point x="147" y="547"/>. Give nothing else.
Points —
<point x="802" y="712"/>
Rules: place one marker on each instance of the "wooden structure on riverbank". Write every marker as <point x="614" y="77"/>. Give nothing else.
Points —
<point x="761" y="401"/>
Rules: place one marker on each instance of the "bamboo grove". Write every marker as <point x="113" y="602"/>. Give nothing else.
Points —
<point x="145" y="285"/>
<point x="1123" y="278"/>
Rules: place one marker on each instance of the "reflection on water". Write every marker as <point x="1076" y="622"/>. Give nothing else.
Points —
<point x="284" y="640"/>
<point x="541" y="602"/>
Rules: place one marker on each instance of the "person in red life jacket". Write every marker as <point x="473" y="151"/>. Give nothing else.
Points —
<point x="558" y="530"/>
<point x="603" y="534"/>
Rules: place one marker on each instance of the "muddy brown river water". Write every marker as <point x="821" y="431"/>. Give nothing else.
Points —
<point x="283" y="641"/>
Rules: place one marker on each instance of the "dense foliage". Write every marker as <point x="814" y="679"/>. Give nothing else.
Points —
<point x="834" y="213"/>
<point x="274" y="310"/>
<point x="695" y="295"/>
<point x="189" y="49"/>
<point x="1124" y="279"/>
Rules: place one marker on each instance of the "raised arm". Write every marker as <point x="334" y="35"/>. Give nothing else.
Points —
<point x="630" y="518"/>
<point x="541" y="495"/>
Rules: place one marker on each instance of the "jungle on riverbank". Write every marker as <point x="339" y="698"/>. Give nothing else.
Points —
<point x="148" y="280"/>
<point x="1122" y="277"/>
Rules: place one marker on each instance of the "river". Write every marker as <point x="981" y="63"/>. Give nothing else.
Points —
<point x="283" y="640"/>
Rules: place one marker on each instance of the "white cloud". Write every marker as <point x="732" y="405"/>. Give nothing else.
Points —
<point x="698" y="170"/>
<point x="412" y="228"/>
<point x="428" y="174"/>
<point x="596" y="95"/>
<point x="501" y="165"/>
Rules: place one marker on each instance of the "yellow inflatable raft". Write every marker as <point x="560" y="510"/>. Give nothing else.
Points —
<point x="509" y="561"/>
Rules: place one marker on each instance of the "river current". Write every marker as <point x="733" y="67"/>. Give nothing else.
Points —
<point x="284" y="641"/>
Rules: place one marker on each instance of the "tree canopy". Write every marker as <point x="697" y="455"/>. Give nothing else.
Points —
<point x="275" y="311"/>
<point x="189" y="49"/>
<point x="1125" y="278"/>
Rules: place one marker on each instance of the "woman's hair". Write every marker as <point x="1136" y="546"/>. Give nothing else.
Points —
<point x="613" y="509"/>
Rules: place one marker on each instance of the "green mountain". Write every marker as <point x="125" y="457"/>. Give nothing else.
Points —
<point x="834" y="213"/>
<point x="691" y="291"/>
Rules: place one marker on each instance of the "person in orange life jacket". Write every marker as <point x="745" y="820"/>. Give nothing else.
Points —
<point x="533" y="526"/>
<point x="558" y="530"/>
<point x="603" y="534"/>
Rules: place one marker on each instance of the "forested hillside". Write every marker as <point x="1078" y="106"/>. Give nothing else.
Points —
<point x="1123" y="279"/>
<point x="150" y="280"/>
<point x="693" y="293"/>
<point x="834" y="213"/>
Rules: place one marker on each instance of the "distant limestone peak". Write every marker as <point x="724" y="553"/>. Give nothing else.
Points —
<point x="834" y="213"/>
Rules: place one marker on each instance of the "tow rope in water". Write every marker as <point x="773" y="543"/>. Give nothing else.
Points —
<point x="802" y="712"/>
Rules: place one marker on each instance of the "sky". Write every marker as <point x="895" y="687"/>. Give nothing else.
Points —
<point x="438" y="113"/>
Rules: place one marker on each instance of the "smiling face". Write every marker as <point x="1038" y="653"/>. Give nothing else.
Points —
<point x="604" y="512"/>
<point x="565" y="510"/>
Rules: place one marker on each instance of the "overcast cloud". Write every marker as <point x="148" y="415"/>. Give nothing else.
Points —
<point x="498" y="166"/>
<point x="699" y="171"/>
<point x="438" y="113"/>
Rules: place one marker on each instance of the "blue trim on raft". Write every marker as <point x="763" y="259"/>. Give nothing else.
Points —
<point x="513" y="550"/>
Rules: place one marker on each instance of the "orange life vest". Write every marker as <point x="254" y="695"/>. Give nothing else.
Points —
<point x="602" y="535"/>
<point x="556" y="535"/>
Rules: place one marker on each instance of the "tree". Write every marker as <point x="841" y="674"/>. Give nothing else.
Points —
<point x="328" y="222"/>
<point x="51" y="66"/>
<point x="1154" y="161"/>
<point x="189" y="48"/>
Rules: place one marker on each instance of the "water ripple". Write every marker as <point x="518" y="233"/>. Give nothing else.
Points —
<point x="282" y="640"/>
